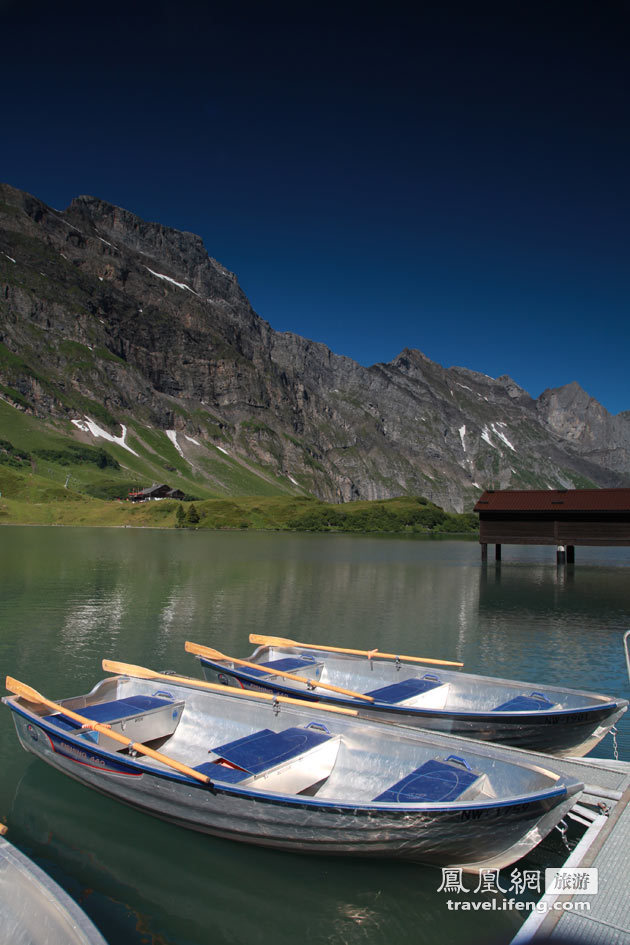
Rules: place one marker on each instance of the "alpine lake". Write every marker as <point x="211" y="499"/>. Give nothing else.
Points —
<point x="71" y="596"/>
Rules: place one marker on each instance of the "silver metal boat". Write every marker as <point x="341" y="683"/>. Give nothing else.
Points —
<point x="298" y="777"/>
<point x="34" y="910"/>
<point x="551" y="719"/>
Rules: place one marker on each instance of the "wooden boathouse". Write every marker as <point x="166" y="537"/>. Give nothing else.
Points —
<point x="561" y="517"/>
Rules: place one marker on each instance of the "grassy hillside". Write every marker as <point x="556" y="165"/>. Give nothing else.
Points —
<point x="50" y="475"/>
<point x="28" y="499"/>
<point x="58" y="452"/>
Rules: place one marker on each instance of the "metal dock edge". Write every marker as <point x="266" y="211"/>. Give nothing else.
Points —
<point x="604" y="845"/>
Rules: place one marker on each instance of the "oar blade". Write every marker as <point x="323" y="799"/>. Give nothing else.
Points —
<point x="199" y="650"/>
<point x="260" y="640"/>
<point x="21" y="689"/>
<point x="127" y="669"/>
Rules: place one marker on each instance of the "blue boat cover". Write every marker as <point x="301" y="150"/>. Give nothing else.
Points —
<point x="433" y="781"/>
<point x="265" y="749"/>
<point x="286" y="665"/>
<point x="108" y="711"/>
<point x="217" y="772"/>
<point x="404" y="689"/>
<point x="68" y="725"/>
<point x="525" y="704"/>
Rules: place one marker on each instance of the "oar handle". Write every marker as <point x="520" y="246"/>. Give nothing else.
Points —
<point x="200" y="650"/>
<point x="26" y="692"/>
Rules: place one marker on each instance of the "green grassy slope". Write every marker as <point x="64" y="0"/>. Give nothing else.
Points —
<point x="52" y="451"/>
<point x="29" y="499"/>
<point x="49" y="475"/>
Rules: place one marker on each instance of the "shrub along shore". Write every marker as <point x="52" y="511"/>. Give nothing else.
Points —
<point x="50" y="479"/>
<point x="25" y="502"/>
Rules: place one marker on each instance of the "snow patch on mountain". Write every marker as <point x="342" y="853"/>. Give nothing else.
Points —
<point x="502" y="435"/>
<point x="172" y="435"/>
<point x="180" y="285"/>
<point x="89" y="426"/>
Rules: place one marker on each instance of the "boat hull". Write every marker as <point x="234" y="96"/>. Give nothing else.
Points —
<point x="494" y="834"/>
<point x="570" y="733"/>
<point x="34" y="910"/>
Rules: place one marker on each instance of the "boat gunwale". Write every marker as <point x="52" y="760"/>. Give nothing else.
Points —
<point x="351" y="658"/>
<point x="324" y="696"/>
<point x="559" y="788"/>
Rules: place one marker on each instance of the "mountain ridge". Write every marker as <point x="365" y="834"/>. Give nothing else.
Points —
<point x="168" y="341"/>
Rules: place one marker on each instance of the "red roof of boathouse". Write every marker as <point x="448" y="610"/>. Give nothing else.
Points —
<point x="554" y="500"/>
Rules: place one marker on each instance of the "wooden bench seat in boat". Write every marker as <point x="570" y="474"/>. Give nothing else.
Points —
<point x="294" y="759"/>
<point x="141" y="718"/>
<point x="428" y="691"/>
<point x="535" y="702"/>
<point x="434" y="781"/>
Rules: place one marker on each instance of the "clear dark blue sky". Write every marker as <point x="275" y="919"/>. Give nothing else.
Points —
<point x="455" y="181"/>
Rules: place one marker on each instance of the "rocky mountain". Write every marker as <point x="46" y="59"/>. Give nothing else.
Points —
<point x="126" y="334"/>
<point x="594" y="433"/>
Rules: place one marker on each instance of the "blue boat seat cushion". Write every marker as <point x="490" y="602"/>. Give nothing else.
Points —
<point x="431" y="782"/>
<point x="266" y="749"/>
<point x="289" y="664"/>
<point x="534" y="703"/>
<point x="404" y="689"/>
<point x="110" y="711"/>
<point x="68" y="725"/>
<point x="219" y="772"/>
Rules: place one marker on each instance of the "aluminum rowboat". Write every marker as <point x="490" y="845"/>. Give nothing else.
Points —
<point x="297" y="779"/>
<point x="34" y="910"/>
<point x="563" y="722"/>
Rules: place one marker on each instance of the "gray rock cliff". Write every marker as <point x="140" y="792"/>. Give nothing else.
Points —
<point x="98" y="307"/>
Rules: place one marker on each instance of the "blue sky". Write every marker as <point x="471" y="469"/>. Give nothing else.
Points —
<point x="455" y="181"/>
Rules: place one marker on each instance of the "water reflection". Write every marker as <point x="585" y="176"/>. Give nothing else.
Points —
<point x="571" y="629"/>
<point x="105" y="613"/>
<point x="70" y="597"/>
<point x="181" y="886"/>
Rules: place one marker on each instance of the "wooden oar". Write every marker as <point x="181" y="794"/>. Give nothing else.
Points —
<point x="127" y="669"/>
<point x="280" y="641"/>
<point x="31" y="695"/>
<point x="200" y="650"/>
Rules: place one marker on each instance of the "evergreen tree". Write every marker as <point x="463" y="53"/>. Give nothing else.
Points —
<point x="192" y="516"/>
<point x="180" y="516"/>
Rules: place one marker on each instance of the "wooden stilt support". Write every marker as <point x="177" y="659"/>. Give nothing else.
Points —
<point x="561" y="554"/>
<point x="484" y="552"/>
<point x="570" y="554"/>
<point x="497" y="552"/>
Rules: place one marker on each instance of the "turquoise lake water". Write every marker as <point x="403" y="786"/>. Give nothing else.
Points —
<point x="70" y="597"/>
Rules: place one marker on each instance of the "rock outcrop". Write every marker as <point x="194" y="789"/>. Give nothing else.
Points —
<point x="103" y="312"/>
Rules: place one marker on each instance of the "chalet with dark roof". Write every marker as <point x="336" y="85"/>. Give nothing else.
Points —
<point x="155" y="491"/>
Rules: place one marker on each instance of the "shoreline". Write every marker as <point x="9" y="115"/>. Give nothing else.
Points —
<point x="468" y="536"/>
<point x="402" y="515"/>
